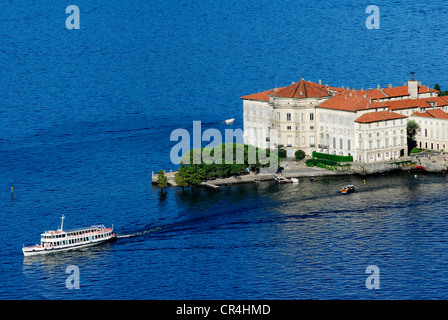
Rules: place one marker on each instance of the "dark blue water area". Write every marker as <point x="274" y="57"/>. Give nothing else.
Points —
<point x="86" y="116"/>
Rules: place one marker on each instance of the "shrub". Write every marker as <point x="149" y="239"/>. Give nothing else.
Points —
<point x="332" y="157"/>
<point x="417" y="150"/>
<point x="281" y="153"/>
<point x="299" y="154"/>
<point x="318" y="162"/>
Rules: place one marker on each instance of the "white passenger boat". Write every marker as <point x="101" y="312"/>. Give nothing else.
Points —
<point x="63" y="240"/>
<point x="227" y="121"/>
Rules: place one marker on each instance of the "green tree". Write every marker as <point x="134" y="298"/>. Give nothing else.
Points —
<point x="180" y="177"/>
<point x="411" y="127"/>
<point x="281" y="153"/>
<point x="162" y="180"/>
<point x="442" y="93"/>
<point x="299" y="154"/>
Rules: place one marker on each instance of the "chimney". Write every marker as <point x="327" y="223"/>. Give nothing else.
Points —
<point x="378" y="87"/>
<point x="389" y="86"/>
<point x="364" y="95"/>
<point x="320" y="82"/>
<point x="413" y="88"/>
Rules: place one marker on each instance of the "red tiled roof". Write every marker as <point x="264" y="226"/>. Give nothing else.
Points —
<point x="439" y="100"/>
<point x="414" y="103"/>
<point x="422" y="114"/>
<point x="403" y="91"/>
<point x="347" y="103"/>
<point x="308" y="89"/>
<point x="436" y="113"/>
<point x="396" y="104"/>
<point x="379" y="116"/>
<point x="425" y="89"/>
<point x="260" y="96"/>
<point x="396" y="91"/>
<point x="302" y="89"/>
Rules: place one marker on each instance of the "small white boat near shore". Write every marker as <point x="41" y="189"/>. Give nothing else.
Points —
<point x="63" y="240"/>
<point x="294" y="180"/>
<point x="227" y="121"/>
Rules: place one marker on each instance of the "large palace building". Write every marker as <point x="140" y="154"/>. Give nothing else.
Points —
<point x="369" y="125"/>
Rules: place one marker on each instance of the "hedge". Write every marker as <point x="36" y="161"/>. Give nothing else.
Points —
<point x="316" y="162"/>
<point x="332" y="157"/>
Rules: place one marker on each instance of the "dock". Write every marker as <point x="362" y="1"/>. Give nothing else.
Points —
<point x="211" y="186"/>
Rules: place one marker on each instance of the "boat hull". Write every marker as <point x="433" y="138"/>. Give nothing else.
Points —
<point x="32" y="251"/>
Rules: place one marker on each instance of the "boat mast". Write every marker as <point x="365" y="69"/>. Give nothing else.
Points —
<point x="62" y="221"/>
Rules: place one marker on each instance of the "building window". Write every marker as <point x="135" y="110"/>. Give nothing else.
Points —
<point x="426" y="132"/>
<point x="311" y="116"/>
<point x="340" y="144"/>
<point x="278" y="116"/>
<point x="348" y="145"/>
<point x="288" y="127"/>
<point x="334" y="143"/>
<point x="288" y="117"/>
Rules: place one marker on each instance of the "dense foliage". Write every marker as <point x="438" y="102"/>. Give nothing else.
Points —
<point x="299" y="154"/>
<point x="411" y="127"/>
<point x="162" y="180"/>
<point x="442" y="93"/>
<point x="222" y="161"/>
<point x="332" y="157"/>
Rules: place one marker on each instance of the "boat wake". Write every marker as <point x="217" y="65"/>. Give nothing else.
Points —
<point x="138" y="233"/>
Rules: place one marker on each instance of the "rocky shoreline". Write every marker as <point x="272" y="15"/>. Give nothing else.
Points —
<point x="435" y="163"/>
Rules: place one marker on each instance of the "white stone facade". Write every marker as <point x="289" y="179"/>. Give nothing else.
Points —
<point x="312" y="117"/>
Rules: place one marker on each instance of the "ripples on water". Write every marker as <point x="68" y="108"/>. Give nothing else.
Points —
<point x="86" y="116"/>
<point x="268" y="241"/>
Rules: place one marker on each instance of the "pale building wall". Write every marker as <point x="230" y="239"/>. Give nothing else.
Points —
<point x="336" y="132"/>
<point x="433" y="133"/>
<point x="257" y="118"/>
<point x="380" y="141"/>
<point x="295" y="120"/>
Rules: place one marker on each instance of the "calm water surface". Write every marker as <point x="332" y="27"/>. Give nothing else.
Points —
<point x="86" y="115"/>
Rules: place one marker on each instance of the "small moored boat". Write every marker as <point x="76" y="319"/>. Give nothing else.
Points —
<point x="280" y="180"/>
<point x="63" y="240"/>
<point x="295" y="180"/>
<point x="227" y="121"/>
<point x="347" y="189"/>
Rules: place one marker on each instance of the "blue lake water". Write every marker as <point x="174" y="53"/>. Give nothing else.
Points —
<point x="86" y="116"/>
